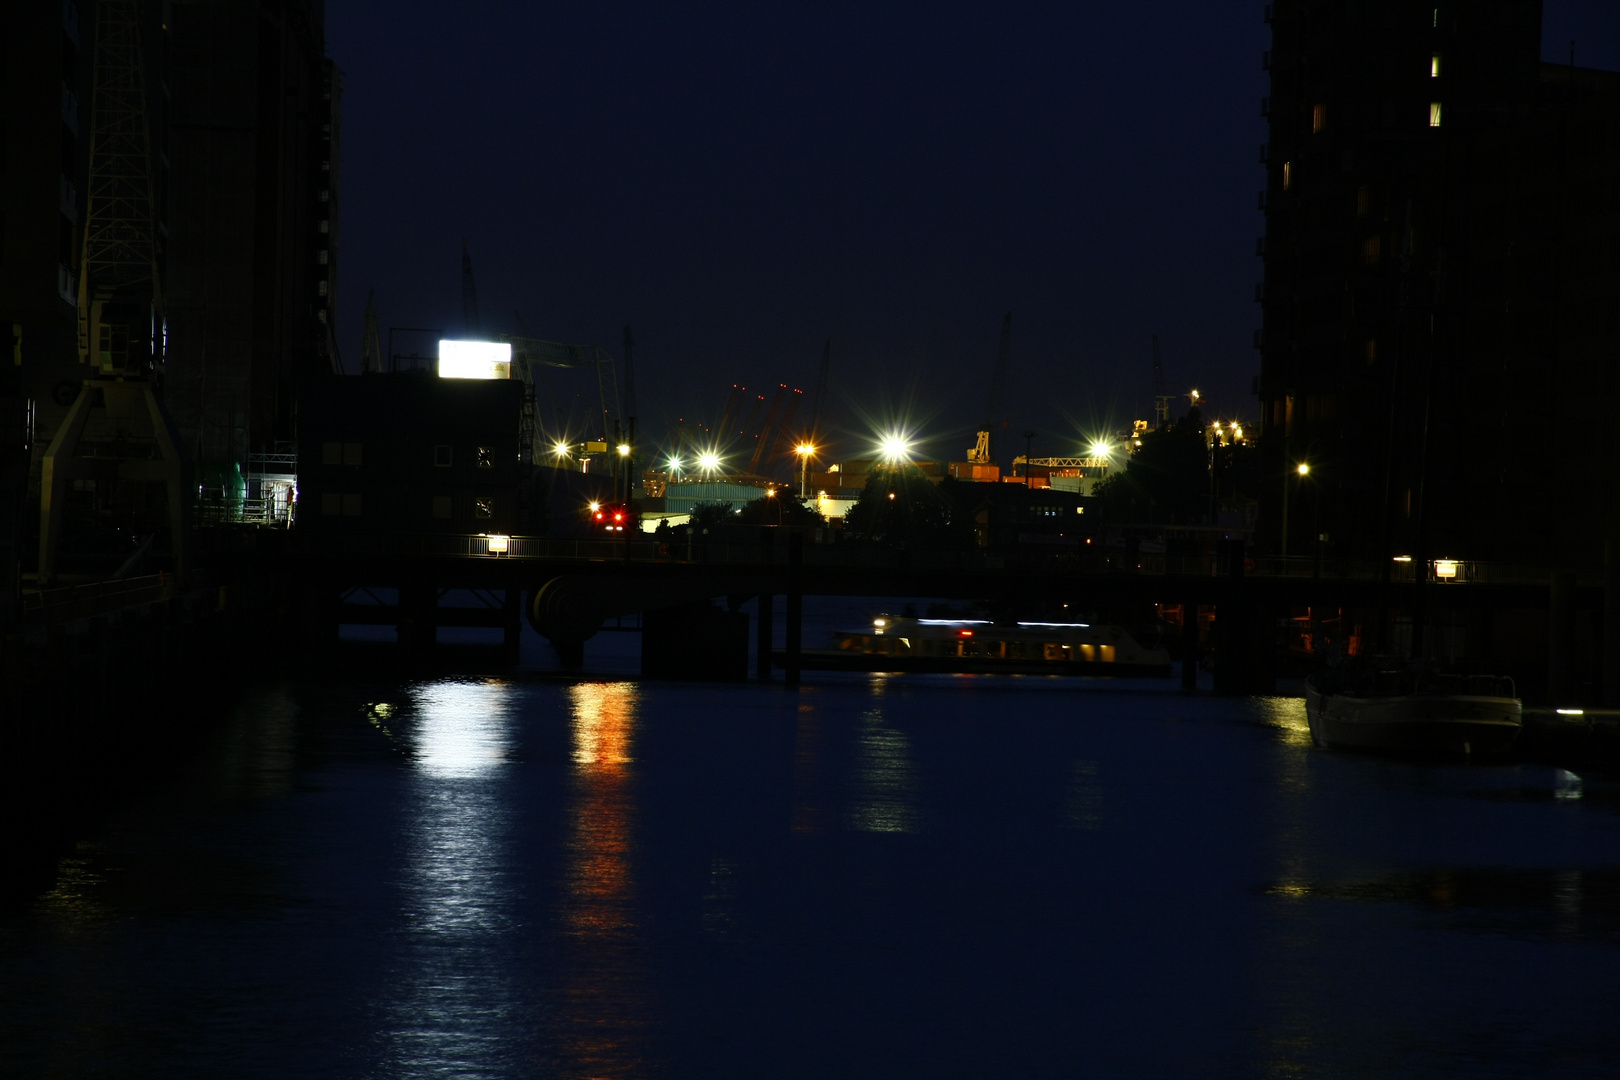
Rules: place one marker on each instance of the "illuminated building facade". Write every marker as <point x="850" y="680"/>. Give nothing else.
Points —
<point x="1441" y="278"/>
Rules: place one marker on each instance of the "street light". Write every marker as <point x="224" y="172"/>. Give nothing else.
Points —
<point x="1304" y="469"/>
<point x="709" y="462"/>
<point x="770" y="493"/>
<point x="895" y="448"/>
<point x="804" y="450"/>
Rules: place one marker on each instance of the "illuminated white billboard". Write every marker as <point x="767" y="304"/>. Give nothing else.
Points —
<point x="475" y="360"/>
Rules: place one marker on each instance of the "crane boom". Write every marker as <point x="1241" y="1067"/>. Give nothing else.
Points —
<point x="763" y="439"/>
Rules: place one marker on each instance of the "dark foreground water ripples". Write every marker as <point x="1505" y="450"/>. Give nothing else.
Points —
<point x="875" y="877"/>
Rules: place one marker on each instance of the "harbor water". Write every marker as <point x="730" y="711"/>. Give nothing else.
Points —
<point x="876" y="876"/>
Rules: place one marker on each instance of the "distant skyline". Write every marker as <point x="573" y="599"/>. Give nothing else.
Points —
<point x="739" y="183"/>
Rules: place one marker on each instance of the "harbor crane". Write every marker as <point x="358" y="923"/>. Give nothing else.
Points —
<point x="983" y="452"/>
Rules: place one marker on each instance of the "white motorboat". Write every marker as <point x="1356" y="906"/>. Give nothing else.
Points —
<point x="1407" y="709"/>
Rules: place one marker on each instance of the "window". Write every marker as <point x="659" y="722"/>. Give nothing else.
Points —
<point x="331" y="453"/>
<point x="442" y="457"/>
<point x="441" y="507"/>
<point x="1287" y="174"/>
<point x="1371" y="249"/>
<point x="483" y="508"/>
<point x="351" y="505"/>
<point x="1318" y="118"/>
<point x="486" y="457"/>
<point x="331" y="504"/>
<point x="1434" y="114"/>
<point x="1434" y="66"/>
<point x="1363" y="197"/>
<point x="353" y="453"/>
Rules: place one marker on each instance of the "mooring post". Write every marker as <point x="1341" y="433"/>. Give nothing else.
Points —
<point x="1611" y="623"/>
<point x="765" y="630"/>
<point x="795" y="607"/>
<point x="763" y="635"/>
<point x="1189" y="645"/>
<point x="1561" y="638"/>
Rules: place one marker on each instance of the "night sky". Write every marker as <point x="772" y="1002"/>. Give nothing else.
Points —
<point x="741" y="182"/>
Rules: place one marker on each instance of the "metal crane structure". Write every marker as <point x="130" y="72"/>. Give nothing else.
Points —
<point x="762" y="438"/>
<point x="983" y="452"/>
<point x="1161" y="400"/>
<point x="819" y="410"/>
<point x="531" y="354"/>
<point x="122" y="329"/>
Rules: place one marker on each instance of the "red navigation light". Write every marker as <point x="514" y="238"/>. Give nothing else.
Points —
<point x="599" y="515"/>
<point x="618" y="517"/>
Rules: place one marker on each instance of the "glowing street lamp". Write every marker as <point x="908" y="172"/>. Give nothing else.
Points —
<point x="709" y="462"/>
<point x="1101" y="449"/>
<point x="559" y="449"/>
<point x="895" y="448"/>
<point x="805" y="451"/>
<point x="1304" y="469"/>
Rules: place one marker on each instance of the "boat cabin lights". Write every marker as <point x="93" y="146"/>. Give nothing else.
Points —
<point x="953" y="622"/>
<point x="1080" y="625"/>
<point x="880" y="622"/>
<point x="1571" y="712"/>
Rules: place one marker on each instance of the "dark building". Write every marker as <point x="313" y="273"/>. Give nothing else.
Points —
<point x="205" y="227"/>
<point x="253" y="141"/>
<point x="410" y="454"/>
<point x="1441" y="303"/>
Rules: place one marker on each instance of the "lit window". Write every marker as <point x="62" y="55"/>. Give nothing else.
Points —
<point x="1287" y="174"/>
<point x="483" y="508"/>
<point x="1434" y="66"/>
<point x="1318" y="118"/>
<point x="1371" y="248"/>
<point x="441" y="507"/>
<point x="1434" y="114"/>
<point x="486" y="457"/>
<point x="442" y="457"/>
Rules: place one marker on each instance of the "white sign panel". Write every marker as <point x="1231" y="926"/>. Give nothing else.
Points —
<point x="475" y="360"/>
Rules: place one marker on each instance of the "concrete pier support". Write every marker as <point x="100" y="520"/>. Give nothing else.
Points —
<point x="795" y="607"/>
<point x="763" y="635"/>
<point x="1189" y="645"/>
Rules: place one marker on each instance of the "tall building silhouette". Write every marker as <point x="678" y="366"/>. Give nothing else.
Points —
<point x="1440" y="341"/>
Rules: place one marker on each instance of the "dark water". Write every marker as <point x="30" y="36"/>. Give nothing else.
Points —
<point x="875" y="877"/>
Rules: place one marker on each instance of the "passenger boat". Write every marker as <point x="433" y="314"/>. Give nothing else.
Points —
<point x="1395" y="707"/>
<point x="981" y="646"/>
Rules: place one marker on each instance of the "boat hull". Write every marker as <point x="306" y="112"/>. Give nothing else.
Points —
<point x="1433" y="725"/>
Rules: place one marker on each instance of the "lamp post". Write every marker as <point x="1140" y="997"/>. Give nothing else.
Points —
<point x="1302" y="470"/>
<point x="805" y="450"/>
<point x="770" y="493"/>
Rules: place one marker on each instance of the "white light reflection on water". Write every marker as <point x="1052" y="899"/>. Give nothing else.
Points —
<point x="885" y="782"/>
<point x="452" y="998"/>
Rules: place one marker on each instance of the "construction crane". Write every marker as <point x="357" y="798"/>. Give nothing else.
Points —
<point x="469" y="294"/>
<point x="122" y="327"/>
<point x="818" y="415"/>
<point x="762" y="440"/>
<point x="983" y="452"/>
<point x="1161" y="400"/>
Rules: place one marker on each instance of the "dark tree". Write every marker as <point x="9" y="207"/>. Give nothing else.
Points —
<point x="1166" y="482"/>
<point x="779" y="509"/>
<point x="900" y="505"/>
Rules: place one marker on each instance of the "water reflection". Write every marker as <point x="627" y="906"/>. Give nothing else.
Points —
<point x="604" y="1005"/>
<point x="885" y="782"/>
<point x="1568" y="903"/>
<point x="1083" y="801"/>
<point x="454" y="993"/>
<point x="807" y="809"/>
